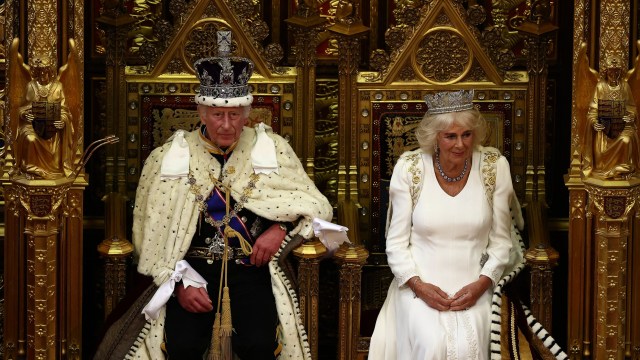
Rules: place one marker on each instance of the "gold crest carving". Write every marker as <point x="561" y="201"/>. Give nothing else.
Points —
<point x="614" y="206"/>
<point x="40" y="204"/>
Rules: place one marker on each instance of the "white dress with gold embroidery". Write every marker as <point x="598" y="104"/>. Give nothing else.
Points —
<point x="442" y="240"/>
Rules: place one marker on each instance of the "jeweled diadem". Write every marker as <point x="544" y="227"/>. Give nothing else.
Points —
<point x="449" y="101"/>
<point x="224" y="79"/>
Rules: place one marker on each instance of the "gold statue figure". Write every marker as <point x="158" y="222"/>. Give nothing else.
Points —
<point x="607" y="116"/>
<point x="44" y="115"/>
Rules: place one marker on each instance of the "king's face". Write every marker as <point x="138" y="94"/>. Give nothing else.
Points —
<point x="224" y="124"/>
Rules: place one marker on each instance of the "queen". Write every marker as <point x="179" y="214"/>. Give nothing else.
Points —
<point x="448" y="239"/>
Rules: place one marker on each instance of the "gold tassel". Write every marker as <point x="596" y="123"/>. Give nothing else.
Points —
<point x="226" y="328"/>
<point x="246" y="247"/>
<point x="214" y="347"/>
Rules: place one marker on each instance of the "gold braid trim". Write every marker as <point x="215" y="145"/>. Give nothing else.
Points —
<point x="489" y="158"/>
<point x="415" y="160"/>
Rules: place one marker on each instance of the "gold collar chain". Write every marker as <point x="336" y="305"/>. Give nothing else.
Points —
<point x="196" y="188"/>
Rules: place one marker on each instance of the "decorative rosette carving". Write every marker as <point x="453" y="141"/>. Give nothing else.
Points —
<point x="379" y="60"/>
<point x="243" y="9"/>
<point x="407" y="15"/>
<point x="407" y="74"/>
<point x="476" y="14"/>
<point x="443" y="20"/>
<point x="395" y="36"/>
<point x="274" y="53"/>
<point x="148" y="52"/>
<point x="505" y="59"/>
<point x="443" y="56"/>
<point x="259" y="30"/>
<point x="175" y="66"/>
<point x="476" y="74"/>
<point x="178" y="8"/>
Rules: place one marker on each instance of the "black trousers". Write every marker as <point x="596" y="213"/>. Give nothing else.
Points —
<point x="253" y="312"/>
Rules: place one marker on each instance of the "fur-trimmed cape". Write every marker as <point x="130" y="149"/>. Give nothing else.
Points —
<point x="167" y="211"/>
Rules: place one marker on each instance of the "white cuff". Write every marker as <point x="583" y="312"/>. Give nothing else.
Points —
<point x="183" y="272"/>
<point x="331" y="235"/>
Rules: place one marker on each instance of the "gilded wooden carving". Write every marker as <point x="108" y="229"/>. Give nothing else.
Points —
<point x="611" y="241"/>
<point x="350" y="259"/>
<point x="614" y="34"/>
<point x="45" y="114"/>
<point x="607" y="117"/>
<point x="443" y="56"/>
<point x="42" y="15"/>
<point x="604" y="185"/>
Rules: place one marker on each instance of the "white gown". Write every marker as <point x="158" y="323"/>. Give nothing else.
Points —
<point x="444" y="247"/>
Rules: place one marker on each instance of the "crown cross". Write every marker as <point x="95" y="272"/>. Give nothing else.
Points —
<point x="224" y="43"/>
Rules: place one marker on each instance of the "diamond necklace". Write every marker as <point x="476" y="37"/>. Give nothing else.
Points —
<point x="444" y="176"/>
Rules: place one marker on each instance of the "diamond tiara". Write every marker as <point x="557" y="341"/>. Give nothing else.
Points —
<point x="449" y="101"/>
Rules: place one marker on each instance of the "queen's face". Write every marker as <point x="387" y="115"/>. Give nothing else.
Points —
<point x="224" y="124"/>
<point x="456" y="145"/>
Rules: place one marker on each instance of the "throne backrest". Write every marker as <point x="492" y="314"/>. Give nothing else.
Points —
<point x="393" y="124"/>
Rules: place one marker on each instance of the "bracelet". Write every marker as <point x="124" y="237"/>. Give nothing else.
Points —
<point x="412" y="284"/>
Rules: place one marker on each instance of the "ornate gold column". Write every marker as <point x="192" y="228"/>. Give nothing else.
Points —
<point x="611" y="206"/>
<point x="579" y="325"/>
<point x="614" y="29"/>
<point x="632" y="346"/>
<point x="580" y="274"/>
<point x="540" y="256"/>
<point x="115" y="250"/>
<point x="541" y="260"/>
<point x="15" y="339"/>
<point x="349" y="31"/>
<point x="310" y="255"/>
<point x="43" y="208"/>
<point x="305" y="26"/>
<point x="613" y="202"/>
<point x="115" y="21"/>
<point x="350" y="259"/>
<point x="41" y="203"/>
<point x="43" y="268"/>
<point x="71" y="258"/>
<point x="603" y="220"/>
<point x="43" y="28"/>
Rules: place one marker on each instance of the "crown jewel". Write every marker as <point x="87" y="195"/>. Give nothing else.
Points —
<point x="224" y="79"/>
<point x="449" y="101"/>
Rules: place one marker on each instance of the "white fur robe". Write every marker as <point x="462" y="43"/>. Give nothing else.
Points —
<point x="166" y="217"/>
